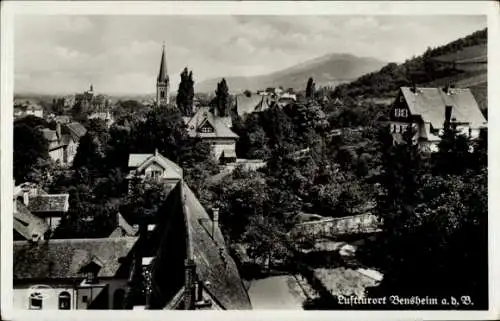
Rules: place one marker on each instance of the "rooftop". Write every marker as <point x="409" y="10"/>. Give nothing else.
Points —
<point x="49" y="203"/>
<point x="212" y="259"/>
<point x="27" y="224"/>
<point x="141" y="161"/>
<point x="221" y="125"/>
<point x="430" y="103"/>
<point x="64" y="258"/>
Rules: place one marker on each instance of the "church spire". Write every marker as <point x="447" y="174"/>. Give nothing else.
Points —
<point x="162" y="75"/>
<point x="162" y="82"/>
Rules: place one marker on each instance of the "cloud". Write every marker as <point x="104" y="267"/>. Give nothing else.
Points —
<point x="120" y="54"/>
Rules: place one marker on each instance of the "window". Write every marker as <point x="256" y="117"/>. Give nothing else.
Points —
<point x="64" y="301"/>
<point x="36" y="301"/>
<point x="398" y="112"/>
<point x="162" y="94"/>
<point x="155" y="174"/>
<point x="401" y="99"/>
<point x="206" y="129"/>
<point x="85" y="299"/>
<point x="91" y="277"/>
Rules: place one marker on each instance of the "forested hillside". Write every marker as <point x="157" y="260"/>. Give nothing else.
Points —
<point x="435" y="66"/>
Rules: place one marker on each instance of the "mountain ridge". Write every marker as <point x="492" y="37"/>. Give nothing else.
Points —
<point x="327" y="70"/>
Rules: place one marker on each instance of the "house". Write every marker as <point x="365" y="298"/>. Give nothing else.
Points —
<point x="216" y="130"/>
<point x="33" y="205"/>
<point x="106" y="116"/>
<point x="153" y="166"/>
<point x="63" y="141"/>
<point x="26" y="225"/>
<point x="75" y="273"/>
<point x="89" y="101"/>
<point x="247" y="104"/>
<point x="28" y="108"/>
<point x="284" y="101"/>
<point x="188" y="266"/>
<point x="427" y="109"/>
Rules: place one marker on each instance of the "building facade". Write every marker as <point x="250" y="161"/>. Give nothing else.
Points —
<point x="75" y="273"/>
<point x="153" y="167"/>
<point x="427" y="109"/>
<point x="63" y="141"/>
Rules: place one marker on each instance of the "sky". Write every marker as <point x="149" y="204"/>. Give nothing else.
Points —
<point x="62" y="54"/>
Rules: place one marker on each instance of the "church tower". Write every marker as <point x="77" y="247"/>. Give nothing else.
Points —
<point x="162" y="82"/>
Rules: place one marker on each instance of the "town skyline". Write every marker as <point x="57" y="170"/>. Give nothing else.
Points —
<point x="116" y="59"/>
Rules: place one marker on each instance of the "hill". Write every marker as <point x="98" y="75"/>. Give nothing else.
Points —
<point x="462" y="62"/>
<point x="328" y="70"/>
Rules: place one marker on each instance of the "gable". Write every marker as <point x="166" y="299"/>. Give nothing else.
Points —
<point x="154" y="166"/>
<point x="400" y="110"/>
<point x="430" y="104"/>
<point x="206" y="127"/>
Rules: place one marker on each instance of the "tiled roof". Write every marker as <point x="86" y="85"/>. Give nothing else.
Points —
<point x="141" y="161"/>
<point x="64" y="258"/>
<point x="248" y="105"/>
<point x="49" y="203"/>
<point x="75" y="129"/>
<point x="123" y="228"/>
<point x="49" y="134"/>
<point x="220" y="125"/>
<point x="225" y="283"/>
<point x="163" y="74"/>
<point x="27" y="224"/>
<point x="430" y="103"/>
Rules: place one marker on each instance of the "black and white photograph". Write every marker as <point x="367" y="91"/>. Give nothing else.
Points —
<point x="247" y="161"/>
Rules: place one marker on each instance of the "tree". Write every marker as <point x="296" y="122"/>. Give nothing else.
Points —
<point x="222" y="98"/>
<point x="185" y="94"/>
<point x="88" y="154"/>
<point x="310" y="88"/>
<point x="30" y="147"/>
<point x="452" y="146"/>
<point x="434" y="228"/>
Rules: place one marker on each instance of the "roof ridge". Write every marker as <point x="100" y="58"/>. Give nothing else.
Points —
<point x="87" y="240"/>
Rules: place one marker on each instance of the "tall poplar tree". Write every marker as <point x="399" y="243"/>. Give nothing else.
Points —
<point x="310" y="89"/>
<point x="185" y="94"/>
<point x="222" y="98"/>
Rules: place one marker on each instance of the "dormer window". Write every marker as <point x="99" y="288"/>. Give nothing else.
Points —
<point x="91" y="277"/>
<point x="206" y="129"/>
<point x="91" y="270"/>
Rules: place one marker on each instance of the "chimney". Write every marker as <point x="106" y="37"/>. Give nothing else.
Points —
<point x="26" y="198"/>
<point x="35" y="238"/>
<point x="156" y="151"/>
<point x="146" y="274"/>
<point x="215" y="220"/>
<point x="199" y="291"/>
<point x="58" y="130"/>
<point x="447" y="114"/>
<point x="189" y="286"/>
